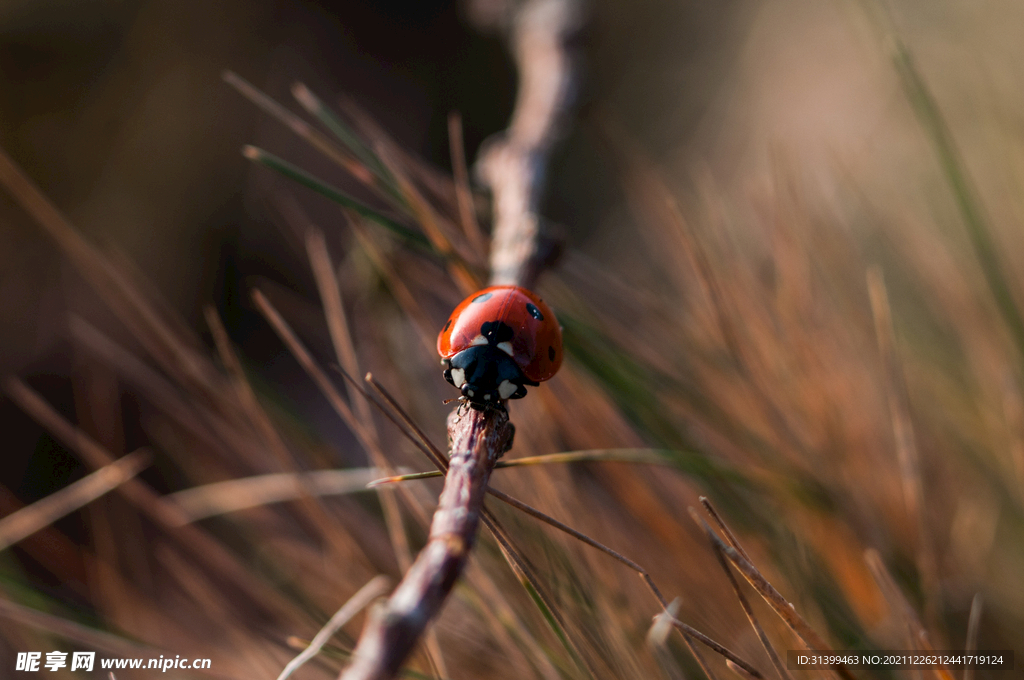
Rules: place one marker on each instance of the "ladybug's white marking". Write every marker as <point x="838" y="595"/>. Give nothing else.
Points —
<point x="487" y="397"/>
<point x="458" y="376"/>
<point x="478" y="340"/>
<point x="506" y="389"/>
<point x="470" y="393"/>
<point x="505" y="347"/>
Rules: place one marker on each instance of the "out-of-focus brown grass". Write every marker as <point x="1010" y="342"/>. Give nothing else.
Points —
<point x="821" y="355"/>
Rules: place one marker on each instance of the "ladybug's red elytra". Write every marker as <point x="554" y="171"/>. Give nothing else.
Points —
<point x="498" y="341"/>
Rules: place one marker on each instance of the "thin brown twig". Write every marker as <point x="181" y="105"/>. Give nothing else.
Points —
<point x="514" y="165"/>
<point x="688" y="631"/>
<point x="724" y="528"/>
<point x="393" y="629"/>
<point x="513" y="556"/>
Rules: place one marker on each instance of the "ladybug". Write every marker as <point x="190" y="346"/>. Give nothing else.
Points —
<point x="498" y="341"/>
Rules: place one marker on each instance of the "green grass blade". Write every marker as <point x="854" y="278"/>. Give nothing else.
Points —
<point x="978" y="229"/>
<point x="283" y="167"/>
<point x="315" y="107"/>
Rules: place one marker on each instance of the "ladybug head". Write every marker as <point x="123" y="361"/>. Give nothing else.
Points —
<point x="486" y="376"/>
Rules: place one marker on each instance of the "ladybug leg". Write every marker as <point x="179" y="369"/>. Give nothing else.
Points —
<point x="519" y="393"/>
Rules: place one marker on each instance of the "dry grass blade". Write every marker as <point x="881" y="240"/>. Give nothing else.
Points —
<point x="300" y="176"/>
<point x="244" y="392"/>
<point x="688" y="631"/>
<point x="126" y="299"/>
<point x="918" y="634"/>
<point x="363" y="597"/>
<point x="463" y="194"/>
<point x="780" y="668"/>
<point x="344" y="349"/>
<point x="42" y="513"/>
<point x="636" y="456"/>
<point x="438" y="230"/>
<point x="973" y="624"/>
<point x="786" y="611"/>
<point x="422" y="323"/>
<point x="233" y="495"/>
<point x="205" y="425"/>
<point x="315" y="107"/>
<point x="363" y="434"/>
<point x="521" y="568"/>
<point x="165" y="514"/>
<point x="903" y="433"/>
<point x="723" y="527"/>
<point x="305" y="360"/>
<point x="70" y="630"/>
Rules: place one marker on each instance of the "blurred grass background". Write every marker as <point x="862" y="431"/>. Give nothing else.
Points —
<point x="769" y="271"/>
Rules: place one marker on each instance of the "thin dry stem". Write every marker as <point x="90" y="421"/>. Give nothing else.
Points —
<point x="42" y="513"/>
<point x="355" y="604"/>
<point x="232" y="495"/>
<point x="786" y="611"/>
<point x="780" y="668"/>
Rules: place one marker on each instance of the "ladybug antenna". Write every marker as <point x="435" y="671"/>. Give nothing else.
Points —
<point x="448" y="401"/>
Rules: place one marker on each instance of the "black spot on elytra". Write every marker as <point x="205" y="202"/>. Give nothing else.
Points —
<point x="496" y="331"/>
<point x="551" y="353"/>
<point x="482" y="298"/>
<point x="534" y="312"/>
<point x="447" y="326"/>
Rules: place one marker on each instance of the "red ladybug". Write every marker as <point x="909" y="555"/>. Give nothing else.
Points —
<point x="498" y="341"/>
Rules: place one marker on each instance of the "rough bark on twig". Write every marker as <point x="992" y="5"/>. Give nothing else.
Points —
<point x="477" y="439"/>
<point x="514" y="165"/>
